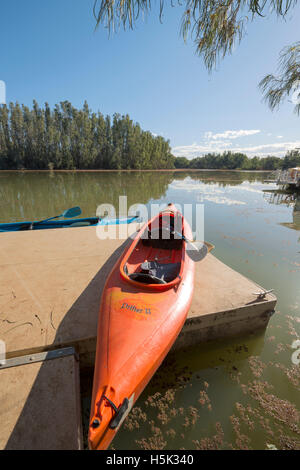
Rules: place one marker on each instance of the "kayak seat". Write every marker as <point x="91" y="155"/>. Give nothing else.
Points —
<point x="166" y="272"/>
<point x="146" y="278"/>
<point x="162" y="239"/>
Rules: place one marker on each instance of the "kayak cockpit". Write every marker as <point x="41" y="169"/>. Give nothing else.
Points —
<point x="156" y="259"/>
<point x="156" y="273"/>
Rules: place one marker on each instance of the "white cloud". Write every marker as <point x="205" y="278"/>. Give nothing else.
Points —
<point x="160" y="134"/>
<point x="231" y="134"/>
<point x="277" y="149"/>
<point x="214" y="143"/>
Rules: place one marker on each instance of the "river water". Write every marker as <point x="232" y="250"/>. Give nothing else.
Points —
<point x="240" y="393"/>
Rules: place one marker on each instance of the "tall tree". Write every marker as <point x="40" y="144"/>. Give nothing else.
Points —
<point x="68" y="138"/>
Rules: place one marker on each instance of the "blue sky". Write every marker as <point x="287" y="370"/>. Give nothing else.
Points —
<point x="50" y="52"/>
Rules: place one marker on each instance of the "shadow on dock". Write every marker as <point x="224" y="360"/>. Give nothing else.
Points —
<point x="50" y="402"/>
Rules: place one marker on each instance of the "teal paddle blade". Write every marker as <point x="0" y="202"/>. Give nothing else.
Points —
<point x="73" y="212"/>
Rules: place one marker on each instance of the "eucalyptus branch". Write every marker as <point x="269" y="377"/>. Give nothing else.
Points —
<point x="277" y="88"/>
<point x="215" y="26"/>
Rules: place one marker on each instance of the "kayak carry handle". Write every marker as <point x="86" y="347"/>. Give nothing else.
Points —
<point x="119" y="414"/>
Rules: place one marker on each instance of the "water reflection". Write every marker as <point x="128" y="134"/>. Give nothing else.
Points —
<point x="223" y="178"/>
<point x="32" y="196"/>
<point x="37" y="195"/>
<point x="289" y="199"/>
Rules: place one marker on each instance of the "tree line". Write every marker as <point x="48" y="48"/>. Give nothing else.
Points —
<point x="67" y="138"/>
<point x="239" y="161"/>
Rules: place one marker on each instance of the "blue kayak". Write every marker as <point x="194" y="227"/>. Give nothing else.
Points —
<point x="88" y="221"/>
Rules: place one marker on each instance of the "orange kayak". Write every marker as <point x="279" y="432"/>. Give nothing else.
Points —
<point x="144" y="305"/>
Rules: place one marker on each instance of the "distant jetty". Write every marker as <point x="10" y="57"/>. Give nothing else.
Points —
<point x="289" y="177"/>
